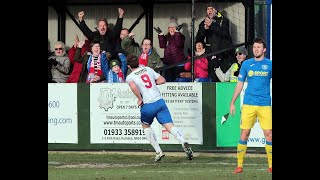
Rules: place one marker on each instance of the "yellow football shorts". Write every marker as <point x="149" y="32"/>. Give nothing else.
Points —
<point x="250" y="113"/>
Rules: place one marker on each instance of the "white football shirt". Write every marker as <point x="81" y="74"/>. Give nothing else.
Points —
<point x="145" y="79"/>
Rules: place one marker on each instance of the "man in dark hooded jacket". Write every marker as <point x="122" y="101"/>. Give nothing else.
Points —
<point x="214" y="30"/>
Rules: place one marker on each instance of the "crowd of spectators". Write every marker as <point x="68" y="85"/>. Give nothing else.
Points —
<point x="101" y="57"/>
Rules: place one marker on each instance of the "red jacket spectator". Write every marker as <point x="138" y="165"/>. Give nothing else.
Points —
<point x="200" y="65"/>
<point x="77" y="67"/>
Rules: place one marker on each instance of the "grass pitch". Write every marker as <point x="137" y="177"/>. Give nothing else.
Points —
<point x="141" y="165"/>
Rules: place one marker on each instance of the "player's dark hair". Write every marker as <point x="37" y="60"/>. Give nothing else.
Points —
<point x="132" y="61"/>
<point x="260" y="41"/>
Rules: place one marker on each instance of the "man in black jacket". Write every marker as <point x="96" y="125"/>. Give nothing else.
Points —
<point x="214" y="29"/>
<point x="104" y="34"/>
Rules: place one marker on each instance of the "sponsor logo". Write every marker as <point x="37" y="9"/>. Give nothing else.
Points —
<point x="264" y="67"/>
<point x="250" y="73"/>
<point x="165" y="135"/>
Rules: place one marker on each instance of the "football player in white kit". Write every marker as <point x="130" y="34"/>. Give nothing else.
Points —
<point x="143" y="82"/>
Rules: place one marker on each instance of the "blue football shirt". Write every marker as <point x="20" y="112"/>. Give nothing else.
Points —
<point x="258" y="75"/>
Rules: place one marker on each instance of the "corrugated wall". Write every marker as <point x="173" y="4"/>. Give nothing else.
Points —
<point x="162" y="12"/>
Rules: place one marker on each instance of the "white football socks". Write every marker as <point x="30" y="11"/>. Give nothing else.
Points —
<point x="178" y="135"/>
<point x="151" y="137"/>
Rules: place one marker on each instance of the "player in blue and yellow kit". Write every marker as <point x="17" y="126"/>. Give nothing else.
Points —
<point x="257" y="100"/>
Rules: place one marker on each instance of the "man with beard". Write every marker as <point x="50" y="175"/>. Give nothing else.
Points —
<point x="256" y="102"/>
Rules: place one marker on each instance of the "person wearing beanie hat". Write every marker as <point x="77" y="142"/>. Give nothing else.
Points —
<point x="214" y="30"/>
<point x="113" y="63"/>
<point x="211" y="10"/>
<point x="115" y="73"/>
<point x="173" y="22"/>
<point x="173" y="45"/>
<point x="172" y="26"/>
<point x="210" y="4"/>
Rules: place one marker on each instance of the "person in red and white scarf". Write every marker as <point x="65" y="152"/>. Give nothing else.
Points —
<point x="94" y="64"/>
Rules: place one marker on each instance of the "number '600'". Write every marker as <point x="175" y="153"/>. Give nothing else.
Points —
<point x="53" y="104"/>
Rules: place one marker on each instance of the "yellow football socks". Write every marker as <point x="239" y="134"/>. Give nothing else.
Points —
<point x="241" y="152"/>
<point x="269" y="153"/>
